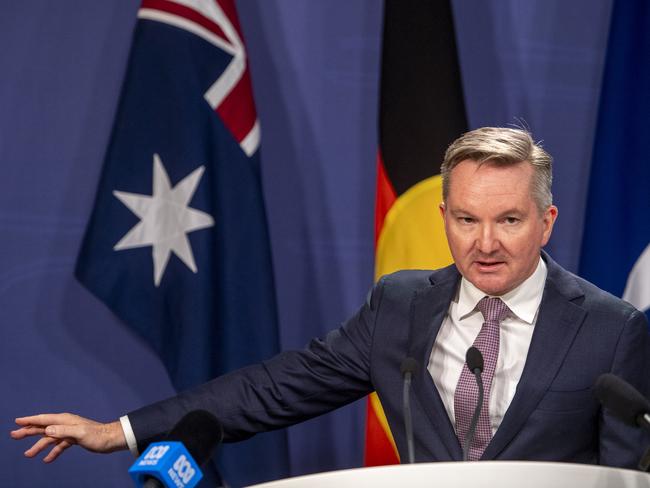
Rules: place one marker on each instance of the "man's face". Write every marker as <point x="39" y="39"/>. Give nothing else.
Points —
<point x="494" y="228"/>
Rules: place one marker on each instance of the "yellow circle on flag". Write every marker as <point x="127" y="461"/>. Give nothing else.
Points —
<point x="413" y="234"/>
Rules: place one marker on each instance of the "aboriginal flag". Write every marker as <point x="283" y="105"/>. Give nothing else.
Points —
<point x="421" y="112"/>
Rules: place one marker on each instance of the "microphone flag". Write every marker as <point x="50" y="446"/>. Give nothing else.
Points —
<point x="169" y="462"/>
<point x="616" y="244"/>
<point x="177" y="245"/>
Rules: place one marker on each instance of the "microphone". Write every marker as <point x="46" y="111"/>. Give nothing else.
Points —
<point x="409" y="366"/>
<point x="623" y="400"/>
<point x="474" y="360"/>
<point x="175" y="461"/>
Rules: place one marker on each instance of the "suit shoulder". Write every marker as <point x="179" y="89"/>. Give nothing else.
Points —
<point x="412" y="278"/>
<point x="600" y="301"/>
<point x="416" y="279"/>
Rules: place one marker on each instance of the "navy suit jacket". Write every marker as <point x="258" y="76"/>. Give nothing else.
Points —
<point x="581" y="333"/>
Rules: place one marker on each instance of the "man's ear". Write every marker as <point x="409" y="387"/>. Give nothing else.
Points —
<point x="549" y="219"/>
<point x="443" y="211"/>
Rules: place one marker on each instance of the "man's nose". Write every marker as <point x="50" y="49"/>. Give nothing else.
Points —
<point x="487" y="240"/>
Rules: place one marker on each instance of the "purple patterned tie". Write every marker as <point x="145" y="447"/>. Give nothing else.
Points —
<point x="466" y="396"/>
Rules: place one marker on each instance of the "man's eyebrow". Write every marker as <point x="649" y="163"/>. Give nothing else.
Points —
<point x="510" y="212"/>
<point x="506" y="213"/>
<point x="459" y="211"/>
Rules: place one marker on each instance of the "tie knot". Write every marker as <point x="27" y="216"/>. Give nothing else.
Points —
<point x="493" y="309"/>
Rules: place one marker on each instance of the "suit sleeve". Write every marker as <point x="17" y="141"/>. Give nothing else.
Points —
<point x="287" y="389"/>
<point x="622" y="445"/>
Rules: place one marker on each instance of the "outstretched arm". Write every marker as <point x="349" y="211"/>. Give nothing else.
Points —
<point x="62" y="430"/>
<point x="287" y="389"/>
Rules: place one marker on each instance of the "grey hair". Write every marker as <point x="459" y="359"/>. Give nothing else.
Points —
<point x="502" y="146"/>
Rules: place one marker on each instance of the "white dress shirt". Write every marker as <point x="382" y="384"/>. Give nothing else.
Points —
<point x="462" y="324"/>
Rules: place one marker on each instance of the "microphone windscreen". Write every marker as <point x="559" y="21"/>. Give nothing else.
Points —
<point x="409" y="365"/>
<point x="200" y="432"/>
<point x="624" y="401"/>
<point x="474" y="359"/>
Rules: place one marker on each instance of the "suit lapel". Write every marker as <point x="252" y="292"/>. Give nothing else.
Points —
<point x="558" y="322"/>
<point x="428" y="310"/>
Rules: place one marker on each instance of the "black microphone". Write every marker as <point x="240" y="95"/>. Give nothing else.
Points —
<point x="200" y="433"/>
<point x="152" y="483"/>
<point x="409" y="366"/>
<point x="474" y="360"/>
<point x="623" y="400"/>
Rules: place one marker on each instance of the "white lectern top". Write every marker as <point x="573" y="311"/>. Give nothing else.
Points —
<point x="482" y="474"/>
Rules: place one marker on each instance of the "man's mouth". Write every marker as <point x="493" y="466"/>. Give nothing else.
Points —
<point x="489" y="265"/>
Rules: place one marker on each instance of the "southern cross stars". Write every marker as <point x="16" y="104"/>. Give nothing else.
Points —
<point x="165" y="219"/>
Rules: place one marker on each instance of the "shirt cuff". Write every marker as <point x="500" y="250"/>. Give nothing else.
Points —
<point x="129" y="435"/>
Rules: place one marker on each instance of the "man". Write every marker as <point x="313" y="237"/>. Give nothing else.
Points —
<point x="545" y="334"/>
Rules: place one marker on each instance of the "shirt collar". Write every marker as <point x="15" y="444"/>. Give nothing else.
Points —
<point x="523" y="301"/>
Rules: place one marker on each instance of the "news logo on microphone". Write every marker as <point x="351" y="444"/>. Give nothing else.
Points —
<point x="169" y="462"/>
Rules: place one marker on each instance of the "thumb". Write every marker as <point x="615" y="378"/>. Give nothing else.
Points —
<point x="64" y="431"/>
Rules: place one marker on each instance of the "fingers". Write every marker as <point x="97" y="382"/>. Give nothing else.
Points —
<point x="47" y="425"/>
<point x="59" y="430"/>
<point x="76" y="432"/>
<point x="39" y="446"/>
<point x="27" y="431"/>
<point x="60" y="445"/>
<point x="45" y="419"/>
<point x="63" y="430"/>
<point x="56" y="451"/>
<point x="57" y="425"/>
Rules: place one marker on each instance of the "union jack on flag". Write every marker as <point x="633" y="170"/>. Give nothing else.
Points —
<point x="216" y="22"/>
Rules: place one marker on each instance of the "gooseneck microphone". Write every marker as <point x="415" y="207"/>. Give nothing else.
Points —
<point x="474" y="360"/>
<point x="409" y="366"/>
<point x="623" y="400"/>
<point x="175" y="461"/>
<point x="626" y="403"/>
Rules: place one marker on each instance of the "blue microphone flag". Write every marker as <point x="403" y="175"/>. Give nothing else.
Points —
<point x="168" y="462"/>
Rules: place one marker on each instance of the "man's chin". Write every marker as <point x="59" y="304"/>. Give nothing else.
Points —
<point x="490" y="285"/>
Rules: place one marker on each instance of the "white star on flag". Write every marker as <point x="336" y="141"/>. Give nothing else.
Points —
<point x="165" y="219"/>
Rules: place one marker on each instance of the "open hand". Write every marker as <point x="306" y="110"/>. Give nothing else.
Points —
<point x="62" y="430"/>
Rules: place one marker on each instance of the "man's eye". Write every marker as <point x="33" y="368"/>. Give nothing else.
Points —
<point x="511" y="220"/>
<point x="466" y="220"/>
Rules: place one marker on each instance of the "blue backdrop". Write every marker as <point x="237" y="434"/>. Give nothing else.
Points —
<point x="315" y="69"/>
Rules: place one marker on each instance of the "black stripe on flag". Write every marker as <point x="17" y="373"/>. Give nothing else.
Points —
<point x="422" y="108"/>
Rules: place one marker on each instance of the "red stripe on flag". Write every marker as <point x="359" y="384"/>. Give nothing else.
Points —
<point x="187" y="13"/>
<point x="385" y="196"/>
<point x="228" y="7"/>
<point x="379" y="450"/>
<point x="237" y="110"/>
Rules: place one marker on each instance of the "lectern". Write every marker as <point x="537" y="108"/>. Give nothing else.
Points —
<point x="482" y="474"/>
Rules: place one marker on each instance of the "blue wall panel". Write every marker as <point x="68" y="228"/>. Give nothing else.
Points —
<point x="315" y="69"/>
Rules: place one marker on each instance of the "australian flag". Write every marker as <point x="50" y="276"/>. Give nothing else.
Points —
<point x="616" y="246"/>
<point x="177" y="245"/>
